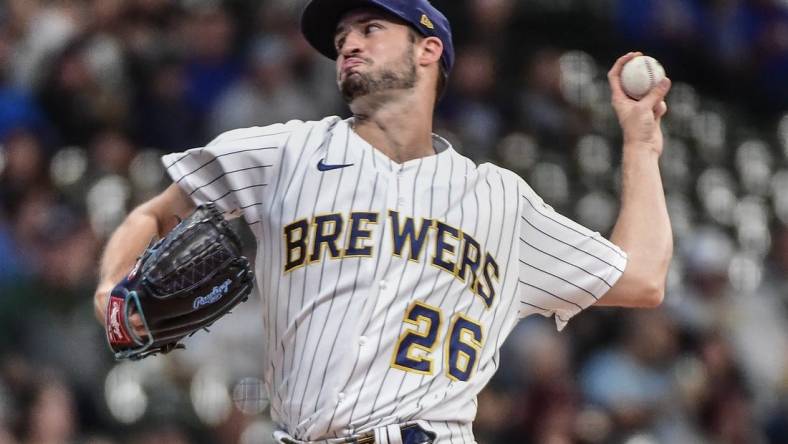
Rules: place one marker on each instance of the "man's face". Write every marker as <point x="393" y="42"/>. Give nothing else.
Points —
<point x="375" y="54"/>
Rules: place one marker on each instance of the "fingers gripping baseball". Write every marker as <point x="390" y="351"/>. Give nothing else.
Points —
<point x="614" y="76"/>
<point x="656" y="95"/>
<point x="660" y="110"/>
<point x="639" y="119"/>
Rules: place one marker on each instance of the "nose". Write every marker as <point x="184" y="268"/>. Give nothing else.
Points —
<point x="352" y="44"/>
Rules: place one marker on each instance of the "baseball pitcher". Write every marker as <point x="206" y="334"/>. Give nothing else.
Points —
<point x="391" y="268"/>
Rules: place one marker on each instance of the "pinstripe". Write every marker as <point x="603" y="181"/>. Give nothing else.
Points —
<point x="251" y="205"/>
<point x="486" y="235"/>
<point x="547" y="216"/>
<point x="235" y="190"/>
<point x="276" y="339"/>
<point x="546" y="311"/>
<point x="449" y="286"/>
<point x="385" y="377"/>
<point x="185" y="155"/>
<point x="303" y="289"/>
<point x="226" y="174"/>
<point x="223" y="155"/>
<point x="270" y="246"/>
<point x="380" y="338"/>
<point x="501" y="236"/>
<point x="509" y="262"/>
<point x="463" y="434"/>
<point x="322" y="270"/>
<point x="570" y="245"/>
<point x="421" y="273"/>
<point x="566" y="262"/>
<point x="549" y="293"/>
<point x="382" y="331"/>
<point x="263" y="135"/>
<point x="315" y="315"/>
<point x="364" y="306"/>
<point x="457" y="304"/>
<point x="355" y="284"/>
<point x="435" y="282"/>
<point x="431" y="213"/>
<point x="559" y="278"/>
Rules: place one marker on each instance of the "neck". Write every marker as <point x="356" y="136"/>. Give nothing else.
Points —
<point x="401" y="127"/>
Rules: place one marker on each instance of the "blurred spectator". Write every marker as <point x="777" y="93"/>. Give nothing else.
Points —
<point x="17" y="108"/>
<point x="40" y="30"/>
<point x="772" y="62"/>
<point x="165" y="119"/>
<point x="73" y="98"/>
<point x="726" y="412"/>
<point x="91" y="91"/>
<point x="268" y="94"/>
<point x="542" y="108"/>
<point x="112" y="152"/>
<point x="25" y="168"/>
<point x="51" y="416"/>
<point x="211" y="65"/>
<point x="470" y="106"/>
<point x="632" y="381"/>
<point x="171" y="434"/>
<point x="663" y="23"/>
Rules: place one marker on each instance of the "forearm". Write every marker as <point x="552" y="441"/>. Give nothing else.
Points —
<point x="643" y="226"/>
<point x="151" y="219"/>
<point x="125" y="245"/>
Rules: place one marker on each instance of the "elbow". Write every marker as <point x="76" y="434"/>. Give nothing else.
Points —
<point x="652" y="296"/>
<point x="654" y="287"/>
<point x="652" y="293"/>
<point x="653" y="281"/>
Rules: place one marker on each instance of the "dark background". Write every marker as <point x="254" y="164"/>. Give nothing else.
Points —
<point x="92" y="92"/>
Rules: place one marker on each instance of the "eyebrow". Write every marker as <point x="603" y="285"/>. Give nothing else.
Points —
<point x="361" y="20"/>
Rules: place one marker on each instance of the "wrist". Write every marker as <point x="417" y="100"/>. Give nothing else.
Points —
<point x="641" y="148"/>
<point x="105" y="287"/>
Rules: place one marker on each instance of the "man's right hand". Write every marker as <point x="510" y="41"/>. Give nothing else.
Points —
<point x="639" y="119"/>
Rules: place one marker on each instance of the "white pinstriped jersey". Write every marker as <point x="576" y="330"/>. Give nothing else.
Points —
<point x="389" y="288"/>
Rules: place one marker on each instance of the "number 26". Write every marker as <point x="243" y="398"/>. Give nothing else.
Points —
<point x="461" y="349"/>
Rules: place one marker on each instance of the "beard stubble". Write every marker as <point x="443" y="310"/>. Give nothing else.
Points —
<point x="399" y="75"/>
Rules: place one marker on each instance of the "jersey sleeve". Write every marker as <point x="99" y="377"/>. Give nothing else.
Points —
<point x="564" y="267"/>
<point x="234" y="169"/>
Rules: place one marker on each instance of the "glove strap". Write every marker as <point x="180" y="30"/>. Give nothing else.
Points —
<point x="122" y="340"/>
<point x="117" y="324"/>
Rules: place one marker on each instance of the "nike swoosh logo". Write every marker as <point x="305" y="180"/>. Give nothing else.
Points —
<point x="324" y="167"/>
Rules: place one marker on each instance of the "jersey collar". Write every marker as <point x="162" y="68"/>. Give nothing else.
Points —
<point x="346" y="146"/>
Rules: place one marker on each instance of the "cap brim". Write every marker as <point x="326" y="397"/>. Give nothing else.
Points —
<point x="320" y="18"/>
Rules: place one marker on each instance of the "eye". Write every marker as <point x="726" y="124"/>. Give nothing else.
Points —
<point x="340" y="41"/>
<point x="371" y="27"/>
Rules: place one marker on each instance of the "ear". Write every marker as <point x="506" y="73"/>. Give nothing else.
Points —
<point x="431" y="50"/>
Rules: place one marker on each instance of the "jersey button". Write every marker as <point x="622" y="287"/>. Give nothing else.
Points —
<point x="341" y="396"/>
<point x="383" y="285"/>
<point x="362" y="341"/>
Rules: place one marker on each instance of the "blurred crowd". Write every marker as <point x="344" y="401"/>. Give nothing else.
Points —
<point x="93" y="91"/>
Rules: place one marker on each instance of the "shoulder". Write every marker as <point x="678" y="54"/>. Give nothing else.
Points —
<point x="513" y="188"/>
<point x="293" y="127"/>
<point x="508" y="178"/>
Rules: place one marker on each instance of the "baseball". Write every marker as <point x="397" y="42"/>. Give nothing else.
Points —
<point x="641" y="74"/>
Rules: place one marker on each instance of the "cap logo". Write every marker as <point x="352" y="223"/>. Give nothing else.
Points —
<point x="426" y="21"/>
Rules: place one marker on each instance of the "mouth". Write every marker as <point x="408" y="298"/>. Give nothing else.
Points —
<point x="350" y="63"/>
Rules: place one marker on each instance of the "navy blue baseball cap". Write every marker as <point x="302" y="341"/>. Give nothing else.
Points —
<point x="320" y="18"/>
